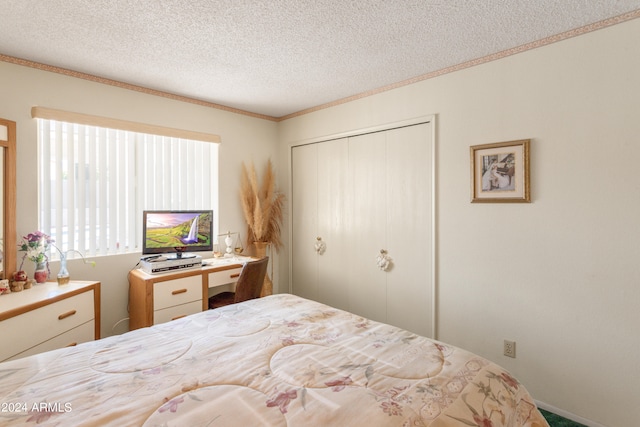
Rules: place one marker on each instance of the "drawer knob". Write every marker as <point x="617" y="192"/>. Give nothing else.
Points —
<point x="178" y="317"/>
<point x="67" y="314"/>
<point x="235" y="276"/>
<point x="178" y="291"/>
<point x="73" y="344"/>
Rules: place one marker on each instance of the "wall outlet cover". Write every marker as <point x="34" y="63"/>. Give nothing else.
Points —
<point x="510" y="348"/>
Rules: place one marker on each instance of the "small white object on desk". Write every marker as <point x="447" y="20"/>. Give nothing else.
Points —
<point x="213" y="262"/>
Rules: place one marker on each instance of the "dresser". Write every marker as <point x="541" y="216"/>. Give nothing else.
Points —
<point x="158" y="298"/>
<point x="47" y="317"/>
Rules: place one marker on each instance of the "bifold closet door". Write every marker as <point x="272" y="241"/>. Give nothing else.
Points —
<point x="361" y="195"/>
<point x="319" y="198"/>
<point x="333" y="229"/>
<point x="409" y="206"/>
<point x="304" y="220"/>
<point x="390" y="178"/>
<point x="367" y="225"/>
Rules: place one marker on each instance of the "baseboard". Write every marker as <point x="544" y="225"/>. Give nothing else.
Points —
<point x="568" y="415"/>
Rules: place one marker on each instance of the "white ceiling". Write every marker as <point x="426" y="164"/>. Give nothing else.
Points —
<point x="278" y="57"/>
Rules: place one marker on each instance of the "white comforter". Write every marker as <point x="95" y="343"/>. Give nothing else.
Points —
<point x="274" y="361"/>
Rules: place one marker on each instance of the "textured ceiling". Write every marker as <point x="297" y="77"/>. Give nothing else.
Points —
<point x="279" y="57"/>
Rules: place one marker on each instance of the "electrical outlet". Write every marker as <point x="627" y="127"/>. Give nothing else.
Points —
<point x="510" y="348"/>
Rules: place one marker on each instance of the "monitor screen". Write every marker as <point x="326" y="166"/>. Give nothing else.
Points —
<point x="177" y="232"/>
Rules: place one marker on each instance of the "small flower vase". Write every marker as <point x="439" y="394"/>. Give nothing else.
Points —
<point x="41" y="274"/>
<point x="63" y="274"/>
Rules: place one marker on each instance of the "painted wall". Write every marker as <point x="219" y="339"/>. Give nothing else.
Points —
<point x="243" y="139"/>
<point x="560" y="276"/>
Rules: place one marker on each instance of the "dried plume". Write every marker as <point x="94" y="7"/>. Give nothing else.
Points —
<point x="262" y="206"/>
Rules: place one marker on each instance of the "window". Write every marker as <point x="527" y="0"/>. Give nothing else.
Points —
<point x="95" y="182"/>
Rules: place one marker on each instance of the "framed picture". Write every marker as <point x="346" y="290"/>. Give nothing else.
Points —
<point x="500" y="172"/>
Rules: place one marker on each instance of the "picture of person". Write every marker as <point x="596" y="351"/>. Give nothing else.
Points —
<point x="498" y="172"/>
<point x="493" y="172"/>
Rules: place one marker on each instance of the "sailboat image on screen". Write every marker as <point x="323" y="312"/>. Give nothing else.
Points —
<point x="175" y="234"/>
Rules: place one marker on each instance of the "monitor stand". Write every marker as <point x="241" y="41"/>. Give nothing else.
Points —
<point x="180" y="255"/>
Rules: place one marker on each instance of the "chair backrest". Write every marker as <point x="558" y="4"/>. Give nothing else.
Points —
<point x="251" y="280"/>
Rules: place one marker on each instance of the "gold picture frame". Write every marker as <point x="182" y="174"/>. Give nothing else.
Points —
<point x="500" y="172"/>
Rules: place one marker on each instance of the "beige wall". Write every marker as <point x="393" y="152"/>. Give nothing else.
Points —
<point x="560" y="276"/>
<point x="243" y="139"/>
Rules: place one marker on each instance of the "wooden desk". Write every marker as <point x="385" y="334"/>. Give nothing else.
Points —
<point x="158" y="298"/>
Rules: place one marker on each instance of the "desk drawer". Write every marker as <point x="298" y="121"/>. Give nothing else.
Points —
<point x="176" y="312"/>
<point x="34" y="327"/>
<point x="176" y="292"/>
<point x="224" y="277"/>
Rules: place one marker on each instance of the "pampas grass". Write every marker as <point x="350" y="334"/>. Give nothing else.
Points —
<point x="262" y="206"/>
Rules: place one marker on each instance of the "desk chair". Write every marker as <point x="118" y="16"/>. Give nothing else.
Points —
<point x="248" y="286"/>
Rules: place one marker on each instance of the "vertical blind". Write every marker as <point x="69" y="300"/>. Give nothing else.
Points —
<point x="95" y="182"/>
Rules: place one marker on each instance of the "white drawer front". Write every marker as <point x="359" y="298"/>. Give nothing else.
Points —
<point x="176" y="312"/>
<point x="224" y="277"/>
<point x="29" y="329"/>
<point x="83" y="333"/>
<point x="175" y="292"/>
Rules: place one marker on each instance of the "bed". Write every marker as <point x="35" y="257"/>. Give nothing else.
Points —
<point x="276" y="361"/>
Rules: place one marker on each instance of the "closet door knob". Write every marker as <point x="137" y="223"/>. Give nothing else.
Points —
<point x="320" y="246"/>
<point x="384" y="261"/>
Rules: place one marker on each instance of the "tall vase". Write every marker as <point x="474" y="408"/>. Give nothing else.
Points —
<point x="41" y="274"/>
<point x="261" y="252"/>
<point x="63" y="274"/>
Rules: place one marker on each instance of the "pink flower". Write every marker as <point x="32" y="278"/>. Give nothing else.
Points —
<point x="287" y="341"/>
<point x="391" y="408"/>
<point x="441" y="347"/>
<point x="36" y="236"/>
<point x="35" y="246"/>
<point x="482" y="421"/>
<point x="339" y="384"/>
<point x="171" y="405"/>
<point x="153" y="371"/>
<point x="135" y="349"/>
<point x="282" y="400"/>
<point x="509" y="380"/>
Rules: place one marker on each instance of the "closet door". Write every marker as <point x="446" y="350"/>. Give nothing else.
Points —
<point x="409" y="238"/>
<point x="390" y="209"/>
<point x="367" y="287"/>
<point x="333" y="197"/>
<point x="361" y="195"/>
<point x="319" y="198"/>
<point x="304" y="219"/>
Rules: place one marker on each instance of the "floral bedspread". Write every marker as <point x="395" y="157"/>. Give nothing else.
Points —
<point x="275" y="361"/>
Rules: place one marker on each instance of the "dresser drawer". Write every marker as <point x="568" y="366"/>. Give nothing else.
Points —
<point x="176" y="292"/>
<point x="34" y="327"/>
<point x="77" y="335"/>
<point x="176" y="312"/>
<point x="224" y="277"/>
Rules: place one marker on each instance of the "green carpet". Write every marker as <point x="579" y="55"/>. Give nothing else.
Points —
<point x="557" y="421"/>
